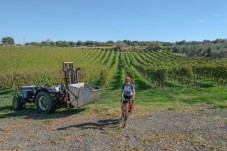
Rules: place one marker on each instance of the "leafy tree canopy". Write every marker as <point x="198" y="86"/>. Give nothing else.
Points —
<point x="8" y="40"/>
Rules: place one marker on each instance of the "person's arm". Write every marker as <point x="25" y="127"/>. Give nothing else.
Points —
<point x="122" y="93"/>
<point x="133" y="94"/>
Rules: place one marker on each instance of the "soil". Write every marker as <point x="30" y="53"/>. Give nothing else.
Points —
<point x="160" y="130"/>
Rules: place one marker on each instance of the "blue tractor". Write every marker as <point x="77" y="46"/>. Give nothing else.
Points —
<point x="48" y="98"/>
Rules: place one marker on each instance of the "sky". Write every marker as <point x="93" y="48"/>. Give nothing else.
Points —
<point x="103" y="20"/>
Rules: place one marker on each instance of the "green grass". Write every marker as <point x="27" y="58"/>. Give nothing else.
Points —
<point x="219" y="105"/>
<point x="201" y="95"/>
<point x="153" y="99"/>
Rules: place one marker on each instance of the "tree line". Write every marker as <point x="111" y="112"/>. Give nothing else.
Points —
<point x="206" y="48"/>
<point x="88" y="43"/>
<point x="215" y="49"/>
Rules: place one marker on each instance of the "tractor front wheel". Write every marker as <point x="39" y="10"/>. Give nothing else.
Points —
<point x="17" y="102"/>
<point x="45" y="103"/>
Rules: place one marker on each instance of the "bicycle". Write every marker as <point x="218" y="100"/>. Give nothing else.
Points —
<point x="126" y="103"/>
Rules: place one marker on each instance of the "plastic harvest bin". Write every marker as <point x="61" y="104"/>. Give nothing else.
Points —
<point x="83" y="93"/>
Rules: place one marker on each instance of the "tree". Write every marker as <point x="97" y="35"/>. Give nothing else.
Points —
<point x="46" y="43"/>
<point x="127" y="42"/>
<point x="109" y="43"/>
<point x="180" y="42"/>
<point x="72" y="44"/>
<point x="135" y="43"/>
<point x="79" y="43"/>
<point x="89" y="43"/>
<point x="119" y="45"/>
<point x="32" y="44"/>
<point x="208" y="52"/>
<point x="8" y="41"/>
<point x="154" y="46"/>
<point x="62" y="43"/>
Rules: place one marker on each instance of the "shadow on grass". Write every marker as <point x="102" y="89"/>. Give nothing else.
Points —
<point x="101" y="124"/>
<point x="141" y="85"/>
<point x="197" y="100"/>
<point x="2" y="92"/>
<point x="203" y="85"/>
<point x="116" y="83"/>
<point x="219" y="105"/>
<point x="171" y="85"/>
<point x="5" y="108"/>
<point x="30" y="112"/>
<point x="117" y="80"/>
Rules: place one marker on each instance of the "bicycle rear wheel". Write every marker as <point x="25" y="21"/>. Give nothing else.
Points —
<point x="126" y="115"/>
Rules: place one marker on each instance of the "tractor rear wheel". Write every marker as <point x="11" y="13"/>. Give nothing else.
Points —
<point x="17" y="102"/>
<point x="45" y="103"/>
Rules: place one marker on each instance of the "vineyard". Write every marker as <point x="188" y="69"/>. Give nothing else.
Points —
<point x="180" y="101"/>
<point x="35" y="65"/>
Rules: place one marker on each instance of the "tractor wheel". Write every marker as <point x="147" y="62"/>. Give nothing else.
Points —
<point x="45" y="103"/>
<point x="17" y="102"/>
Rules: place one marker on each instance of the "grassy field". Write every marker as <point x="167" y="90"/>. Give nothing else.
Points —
<point x="177" y="116"/>
<point x="34" y="61"/>
<point x="154" y="99"/>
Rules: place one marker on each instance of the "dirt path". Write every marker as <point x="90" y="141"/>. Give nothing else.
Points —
<point x="164" y="130"/>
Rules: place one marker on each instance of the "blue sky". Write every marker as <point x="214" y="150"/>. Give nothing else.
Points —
<point x="103" y="20"/>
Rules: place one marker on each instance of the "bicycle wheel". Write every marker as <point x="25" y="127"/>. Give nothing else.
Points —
<point x="126" y="114"/>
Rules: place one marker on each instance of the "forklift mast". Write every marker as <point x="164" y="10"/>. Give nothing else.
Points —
<point x="70" y="74"/>
<point x="70" y="77"/>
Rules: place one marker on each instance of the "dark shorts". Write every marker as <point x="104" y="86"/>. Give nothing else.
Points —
<point x="127" y="98"/>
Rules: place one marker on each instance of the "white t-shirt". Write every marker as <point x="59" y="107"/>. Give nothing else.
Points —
<point x="128" y="90"/>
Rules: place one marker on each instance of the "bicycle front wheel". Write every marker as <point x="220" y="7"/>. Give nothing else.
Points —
<point x="126" y="114"/>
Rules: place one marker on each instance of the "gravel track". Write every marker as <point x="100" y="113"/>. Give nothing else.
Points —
<point x="162" y="130"/>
